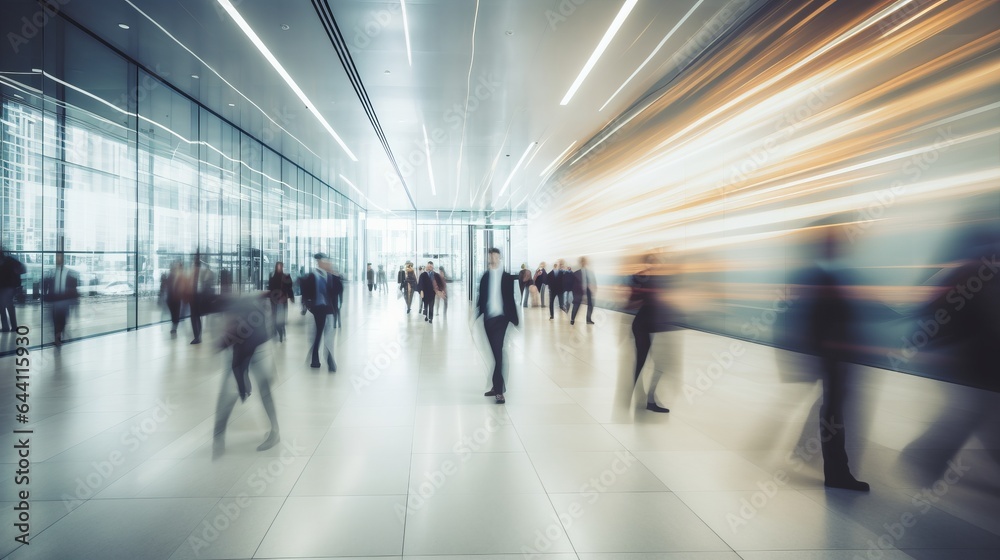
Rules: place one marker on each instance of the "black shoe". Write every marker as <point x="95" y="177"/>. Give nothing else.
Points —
<point x="272" y="439"/>
<point x="500" y="399"/>
<point x="572" y="322"/>
<point x="490" y="394"/>
<point x="591" y="323"/>
<point x="196" y="341"/>
<point x="331" y="367"/>
<point x="315" y="365"/>
<point x="551" y="317"/>
<point x="656" y="408"/>
<point x="430" y="321"/>
<point x="849" y="483"/>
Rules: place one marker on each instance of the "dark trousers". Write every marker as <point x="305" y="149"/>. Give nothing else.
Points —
<point x="429" y="305"/>
<point x="279" y="314"/>
<point x="552" y="301"/>
<point x="831" y="417"/>
<point x="8" y="315"/>
<point x="371" y="286"/>
<point x="643" y="342"/>
<point x="496" y="330"/>
<point x="60" y="310"/>
<point x="320" y="313"/>
<point x="196" y="312"/>
<point x="174" y="306"/>
<point x="577" y="302"/>
<point x="243" y="359"/>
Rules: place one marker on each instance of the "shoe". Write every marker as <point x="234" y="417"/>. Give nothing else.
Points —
<point x="173" y="331"/>
<point x="196" y="341"/>
<point x="272" y="439"/>
<point x="5" y="329"/>
<point x="430" y="322"/>
<point x="656" y="408"/>
<point x="849" y="483"/>
<point x="591" y="323"/>
<point x="572" y="322"/>
<point x="500" y="399"/>
<point x="332" y="367"/>
<point x="551" y="318"/>
<point x="218" y="447"/>
<point x="314" y="365"/>
<point x="490" y="394"/>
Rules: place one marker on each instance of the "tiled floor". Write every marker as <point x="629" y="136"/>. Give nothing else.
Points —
<point x="398" y="454"/>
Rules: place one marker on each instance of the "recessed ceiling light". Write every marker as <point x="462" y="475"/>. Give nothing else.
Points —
<point x="123" y="25"/>
<point x="18" y="96"/>
<point x="232" y="104"/>
<point x="36" y="70"/>
<point x="285" y="27"/>
<point x="509" y="32"/>
<point x="387" y="72"/>
<point x="195" y="76"/>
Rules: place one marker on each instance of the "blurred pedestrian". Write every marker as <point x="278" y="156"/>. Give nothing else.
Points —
<point x="280" y="292"/>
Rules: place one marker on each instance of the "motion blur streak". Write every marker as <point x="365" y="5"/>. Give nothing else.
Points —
<point x="883" y="113"/>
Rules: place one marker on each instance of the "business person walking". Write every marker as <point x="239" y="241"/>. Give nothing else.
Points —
<point x="498" y="303"/>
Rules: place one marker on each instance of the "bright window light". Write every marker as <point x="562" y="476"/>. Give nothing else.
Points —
<point x="605" y="41"/>
<point x="231" y="10"/>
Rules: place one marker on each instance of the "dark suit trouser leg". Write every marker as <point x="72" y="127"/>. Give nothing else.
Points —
<point x="430" y="307"/>
<point x="174" y="305"/>
<point x="643" y="342"/>
<point x="831" y="417"/>
<point x="8" y="315"/>
<point x="242" y="354"/>
<point x="196" y="320"/>
<point x="552" y="301"/>
<point x="319" y="315"/>
<point x="590" y="305"/>
<point x="576" y="307"/>
<point x="496" y="330"/>
<point x="59" y="312"/>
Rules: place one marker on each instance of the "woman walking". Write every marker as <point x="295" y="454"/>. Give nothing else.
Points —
<point x="280" y="292"/>
<point x="409" y="284"/>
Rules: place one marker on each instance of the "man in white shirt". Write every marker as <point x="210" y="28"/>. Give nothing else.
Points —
<point x="497" y="302"/>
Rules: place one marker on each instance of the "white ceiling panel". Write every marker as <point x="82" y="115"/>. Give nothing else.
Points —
<point x="485" y="82"/>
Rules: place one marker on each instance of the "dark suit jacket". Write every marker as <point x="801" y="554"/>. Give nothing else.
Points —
<point x="401" y="278"/>
<point x="334" y="290"/>
<point x="49" y="287"/>
<point x="577" y="285"/>
<point x="430" y="282"/>
<point x="555" y="280"/>
<point x="569" y="282"/>
<point x="507" y="281"/>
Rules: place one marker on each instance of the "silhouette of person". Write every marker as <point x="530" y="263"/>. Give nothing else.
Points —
<point x="822" y="325"/>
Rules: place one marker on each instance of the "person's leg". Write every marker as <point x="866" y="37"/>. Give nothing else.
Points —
<point x="590" y="306"/>
<point x="576" y="308"/>
<point x="319" y="317"/>
<point x="643" y="341"/>
<point x="430" y="308"/>
<point x="665" y="351"/>
<point x="6" y="302"/>
<point x="833" y="438"/>
<point x="496" y="329"/>
<point x="223" y="408"/>
<point x="282" y="320"/>
<point x="174" y="305"/>
<point x="196" y="321"/>
<point x="331" y="364"/>
<point x="552" y="304"/>
<point x="262" y="368"/>
<point x="241" y="367"/>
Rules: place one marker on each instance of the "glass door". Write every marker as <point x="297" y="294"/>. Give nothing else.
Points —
<point x="481" y="239"/>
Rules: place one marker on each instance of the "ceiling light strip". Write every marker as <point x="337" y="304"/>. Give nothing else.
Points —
<point x="430" y="170"/>
<point x="652" y="54"/>
<point x="516" y="168"/>
<point x="605" y="41"/>
<point x="406" y="32"/>
<point x="557" y="160"/>
<point x="212" y="70"/>
<point x="249" y="32"/>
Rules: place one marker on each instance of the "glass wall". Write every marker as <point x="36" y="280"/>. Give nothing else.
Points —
<point x="125" y="175"/>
